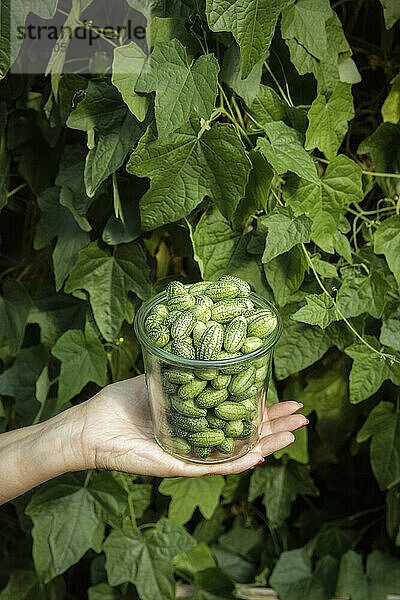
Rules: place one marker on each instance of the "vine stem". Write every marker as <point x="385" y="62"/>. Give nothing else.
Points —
<point x="349" y="325"/>
<point x="16" y="190"/>
<point x="130" y="502"/>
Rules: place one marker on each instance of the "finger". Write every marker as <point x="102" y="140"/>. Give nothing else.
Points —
<point x="289" y="423"/>
<point x="282" y="409"/>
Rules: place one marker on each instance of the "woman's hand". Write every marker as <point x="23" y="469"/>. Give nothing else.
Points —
<point x="117" y="434"/>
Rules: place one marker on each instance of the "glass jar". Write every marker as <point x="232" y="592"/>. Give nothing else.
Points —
<point x="173" y="382"/>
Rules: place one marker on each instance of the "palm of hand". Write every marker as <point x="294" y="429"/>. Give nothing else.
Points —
<point x="118" y="435"/>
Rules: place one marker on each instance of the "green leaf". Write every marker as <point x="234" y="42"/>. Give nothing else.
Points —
<point x="24" y="584"/>
<point x="214" y="242"/>
<point x="103" y="111"/>
<point x="304" y="21"/>
<point x="383" y="145"/>
<point x="280" y="485"/>
<point x="390" y="330"/>
<point x="185" y="168"/>
<point x="163" y="8"/>
<point x="342" y="246"/>
<point x="14" y="14"/>
<point x="267" y="106"/>
<point x="386" y="241"/>
<point x="19" y="381"/>
<point x="146" y="560"/>
<point x="391" y="107"/>
<point x="328" y="120"/>
<point x="165" y="29"/>
<point x="318" y="310"/>
<point x="285" y="152"/>
<point x="197" y="559"/>
<point x="15" y="305"/>
<point x="369" y="370"/>
<point x="285" y="274"/>
<point x="326" y="202"/>
<point x="55" y="313"/>
<point x="383" y="425"/>
<point x="231" y="74"/>
<point x="252" y="23"/>
<point x="351" y="577"/>
<point x="294" y="579"/>
<point x="108" y="279"/>
<point x="284" y="231"/>
<point x="391" y="12"/>
<point x="69" y="517"/>
<point x="103" y="591"/>
<point x="322" y="267"/>
<point x="181" y="87"/>
<point x="361" y="292"/>
<point x="83" y="359"/>
<point x="127" y="65"/>
<point x="189" y="492"/>
<point x="57" y="221"/>
<point x="299" y="347"/>
<point x="326" y="393"/>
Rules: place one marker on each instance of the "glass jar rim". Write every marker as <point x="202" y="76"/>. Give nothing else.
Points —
<point x="140" y="331"/>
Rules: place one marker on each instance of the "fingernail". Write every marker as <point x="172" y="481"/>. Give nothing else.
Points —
<point x="300" y="407"/>
<point x="306" y="423"/>
<point x="259" y="463"/>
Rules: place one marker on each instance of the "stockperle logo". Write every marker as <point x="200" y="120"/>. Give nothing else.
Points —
<point x="71" y="37"/>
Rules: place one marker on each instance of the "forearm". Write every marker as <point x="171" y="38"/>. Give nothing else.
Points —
<point x="33" y="455"/>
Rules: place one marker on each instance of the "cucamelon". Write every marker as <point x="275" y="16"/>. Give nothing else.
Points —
<point x="182" y="302"/>
<point x="227" y="446"/>
<point x="210" y="343"/>
<point x="201" y="312"/>
<point x="235" y="334"/>
<point x="231" y="411"/>
<point x="187" y="407"/>
<point x="250" y="392"/>
<point x="251" y="344"/>
<point x="198" y="331"/>
<point x="207" y="439"/>
<point x="242" y="381"/>
<point x="178" y="376"/>
<point x="196" y="289"/>
<point x="206" y="374"/>
<point x="183" y="325"/>
<point x="170" y="318"/>
<point x="220" y="382"/>
<point x="242" y="285"/>
<point x="191" y="389"/>
<point x="220" y="290"/>
<point x="159" y="336"/>
<point x="183" y="348"/>
<point x="248" y="430"/>
<point x="174" y="289"/>
<point x="180" y="445"/>
<point x="226" y="310"/>
<point x="261" y="324"/>
<point x="214" y="422"/>
<point x="209" y="397"/>
<point x="188" y="423"/>
<point x="234" y="429"/>
<point x="201" y="452"/>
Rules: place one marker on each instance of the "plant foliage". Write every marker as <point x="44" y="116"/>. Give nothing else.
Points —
<point x="245" y="143"/>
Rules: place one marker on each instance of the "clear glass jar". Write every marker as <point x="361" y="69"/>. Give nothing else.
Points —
<point x="166" y="374"/>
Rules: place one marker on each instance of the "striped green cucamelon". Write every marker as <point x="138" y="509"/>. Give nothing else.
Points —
<point x="181" y="445"/>
<point x="174" y="289"/>
<point x="227" y="446"/>
<point x="201" y="451"/>
<point x="235" y="334"/>
<point x="242" y="381"/>
<point x="170" y="318"/>
<point x="250" y="392"/>
<point x="231" y="411"/>
<point x="226" y="310"/>
<point x="261" y="374"/>
<point x="183" y="348"/>
<point x="199" y="288"/>
<point x="182" y="302"/>
<point x="213" y="421"/>
<point x="242" y="285"/>
<point x="251" y="344"/>
<point x="188" y="423"/>
<point x="210" y="342"/>
<point x="220" y="381"/>
<point x="207" y="439"/>
<point x="233" y="429"/>
<point x="206" y="374"/>
<point x="210" y="397"/>
<point x="222" y="290"/>
<point x="183" y="325"/>
<point x="198" y="331"/>
<point x="250" y="405"/>
<point x="248" y="430"/>
<point x="180" y="432"/>
<point x="261" y="324"/>
<point x="191" y="389"/>
<point x="159" y="336"/>
<point x="201" y="312"/>
<point x="178" y="376"/>
<point x="187" y="407"/>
